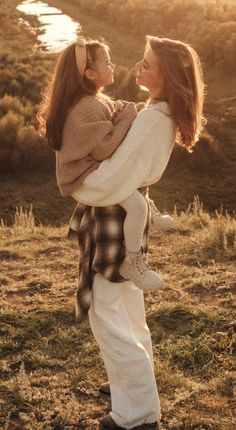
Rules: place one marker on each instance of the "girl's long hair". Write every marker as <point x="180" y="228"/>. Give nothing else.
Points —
<point x="65" y="89"/>
<point x="183" y="88"/>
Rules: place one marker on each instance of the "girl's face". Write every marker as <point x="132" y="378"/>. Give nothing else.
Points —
<point x="148" y="72"/>
<point x="103" y="71"/>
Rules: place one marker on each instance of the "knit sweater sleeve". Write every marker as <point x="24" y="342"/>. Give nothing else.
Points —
<point x="89" y="136"/>
<point x="88" y="131"/>
<point x="140" y="160"/>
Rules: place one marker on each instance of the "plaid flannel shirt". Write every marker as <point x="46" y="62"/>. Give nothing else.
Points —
<point x="100" y="237"/>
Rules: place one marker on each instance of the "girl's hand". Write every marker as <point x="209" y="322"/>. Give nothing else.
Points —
<point x="119" y="106"/>
<point x="140" y="106"/>
<point x="127" y="111"/>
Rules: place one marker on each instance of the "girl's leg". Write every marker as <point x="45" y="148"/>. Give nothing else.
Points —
<point x="134" y="266"/>
<point x="128" y="359"/>
<point x="136" y="214"/>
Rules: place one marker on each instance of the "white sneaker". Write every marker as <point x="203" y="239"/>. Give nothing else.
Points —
<point x="159" y="221"/>
<point x="135" y="269"/>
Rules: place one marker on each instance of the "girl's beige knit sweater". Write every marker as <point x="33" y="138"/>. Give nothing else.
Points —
<point x="90" y="135"/>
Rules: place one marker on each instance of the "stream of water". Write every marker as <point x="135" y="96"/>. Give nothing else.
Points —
<point x="57" y="29"/>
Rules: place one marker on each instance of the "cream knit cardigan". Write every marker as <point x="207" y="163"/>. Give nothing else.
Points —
<point x="139" y="161"/>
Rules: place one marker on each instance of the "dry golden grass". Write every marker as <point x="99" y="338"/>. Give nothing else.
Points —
<point x="50" y="366"/>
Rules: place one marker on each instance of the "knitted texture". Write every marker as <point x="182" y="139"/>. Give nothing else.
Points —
<point x="139" y="161"/>
<point x="90" y="135"/>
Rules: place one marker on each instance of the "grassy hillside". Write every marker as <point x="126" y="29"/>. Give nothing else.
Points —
<point x="210" y="172"/>
<point x="50" y="367"/>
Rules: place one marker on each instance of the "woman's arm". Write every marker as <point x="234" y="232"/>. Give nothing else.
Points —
<point x="140" y="160"/>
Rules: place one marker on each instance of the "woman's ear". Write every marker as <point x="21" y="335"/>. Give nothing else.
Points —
<point x="90" y="74"/>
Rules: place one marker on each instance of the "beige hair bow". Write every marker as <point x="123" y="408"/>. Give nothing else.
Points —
<point x="81" y="54"/>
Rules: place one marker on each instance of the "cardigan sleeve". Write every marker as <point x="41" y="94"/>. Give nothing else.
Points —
<point x="139" y="161"/>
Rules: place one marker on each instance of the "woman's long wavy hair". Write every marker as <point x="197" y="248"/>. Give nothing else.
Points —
<point x="65" y="89"/>
<point x="183" y="87"/>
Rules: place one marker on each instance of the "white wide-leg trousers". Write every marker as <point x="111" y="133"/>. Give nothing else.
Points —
<point x="118" y="322"/>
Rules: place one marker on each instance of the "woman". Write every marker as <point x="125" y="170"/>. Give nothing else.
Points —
<point x="171" y="71"/>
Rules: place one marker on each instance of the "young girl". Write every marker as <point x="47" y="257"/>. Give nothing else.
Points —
<point x="85" y="127"/>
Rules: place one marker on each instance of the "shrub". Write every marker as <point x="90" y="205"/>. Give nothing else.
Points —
<point x="217" y="233"/>
<point x="194" y="217"/>
<point x="24" y="218"/>
<point x="10" y="103"/>
<point x="10" y="125"/>
<point x="220" y="236"/>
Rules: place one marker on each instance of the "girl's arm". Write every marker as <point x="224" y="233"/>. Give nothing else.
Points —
<point x="107" y="145"/>
<point x="89" y="132"/>
<point x="89" y="136"/>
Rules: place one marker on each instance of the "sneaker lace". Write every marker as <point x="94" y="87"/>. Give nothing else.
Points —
<point x="154" y="208"/>
<point x="141" y="263"/>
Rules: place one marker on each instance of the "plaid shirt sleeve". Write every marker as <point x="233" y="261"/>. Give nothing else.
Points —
<point x="99" y="234"/>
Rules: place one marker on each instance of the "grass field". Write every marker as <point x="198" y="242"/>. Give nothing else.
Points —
<point x="50" y="367"/>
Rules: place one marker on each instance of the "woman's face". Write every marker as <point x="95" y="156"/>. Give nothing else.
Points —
<point x="148" y="72"/>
